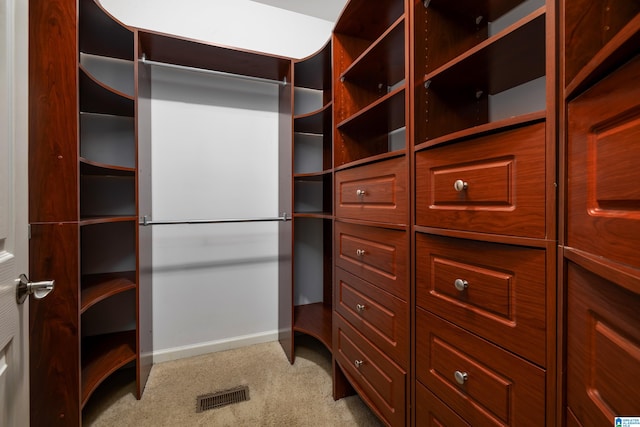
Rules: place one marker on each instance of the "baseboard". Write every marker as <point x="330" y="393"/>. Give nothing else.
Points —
<point x="182" y="352"/>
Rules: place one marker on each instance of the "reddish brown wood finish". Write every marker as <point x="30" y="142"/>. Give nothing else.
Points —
<point x="53" y="111"/>
<point x="506" y="188"/>
<point x="385" y="197"/>
<point x="430" y="411"/>
<point x="603" y="215"/>
<point x="501" y="389"/>
<point x="96" y="288"/>
<point x="383" y="260"/>
<point x="54" y="326"/>
<point x="505" y="297"/>
<point x="603" y="344"/>
<point x="315" y="320"/>
<point x="380" y="316"/>
<point x="379" y="381"/>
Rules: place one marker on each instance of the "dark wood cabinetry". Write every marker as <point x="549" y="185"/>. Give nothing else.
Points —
<point x="484" y="155"/>
<point x="600" y="228"/>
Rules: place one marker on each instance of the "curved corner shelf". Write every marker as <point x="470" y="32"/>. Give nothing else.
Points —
<point x="101" y="356"/>
<point x="316" y="122"/>
<point x="101" y="34"/>
<point x="98" y="287"/>
<point x="95" y="97"/>
<point x="89" y="167"/>
<point x="107" y="219"/>
<point x="306" y="70"/>
<point x="315" y="320"/>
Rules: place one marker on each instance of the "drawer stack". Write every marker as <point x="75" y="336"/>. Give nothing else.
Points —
<point x="484" y="233"/>
<point x="371" y="288"/>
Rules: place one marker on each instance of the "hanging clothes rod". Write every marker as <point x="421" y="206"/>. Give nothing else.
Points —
<point x="144" y="60"/>
<point x="146" y="221"/>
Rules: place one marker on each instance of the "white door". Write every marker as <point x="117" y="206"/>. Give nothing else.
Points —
<point x="14" y="318"/>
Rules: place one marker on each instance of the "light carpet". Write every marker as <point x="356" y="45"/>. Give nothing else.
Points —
<point x="280" y="394"/>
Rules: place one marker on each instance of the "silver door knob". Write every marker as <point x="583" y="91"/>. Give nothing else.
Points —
<point x="358" y="363"/>
<point x="461" y="284"/>
<point x="360" y="307"/>
<point x="38" y="289"/>
<point x="360" y="193"/>
<point x="360" y="252"/>
<point x="461" y="377"/>
<point x="460" y="185"/>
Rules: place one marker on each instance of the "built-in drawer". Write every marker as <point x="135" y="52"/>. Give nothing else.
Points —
<point x="492" y="184"/>
<point x="603" y="348"/>
<point x="374" y="192"/>
<point x="376" y="377"/>
<point x="494" y="290"/>
<point x="430" y="411"/>
<point x="382" y="318"/>
<point x="378" y="255"/>
<point x="603" y="210"/>
<point x="481" y="382"/>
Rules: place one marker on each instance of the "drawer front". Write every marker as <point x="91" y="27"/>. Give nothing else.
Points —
<point x="430" y="411"/>
<point x="483" y="383"/>
<point x="603" y="211"/>
<point x="382" y="318"/>
<point x="493" y="184"/>
<point x="374" y="192"/>
<point x="494" y="290"/>
<point x="378" y="255"/>
<point x="603" y="348"/>
<point x="377" y="378"/>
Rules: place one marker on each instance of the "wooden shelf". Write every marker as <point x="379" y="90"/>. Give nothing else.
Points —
<point x="383" y="62"/>
<point x="380" y="118"/>
<point x="306" y="70"/>
<point x="97" y="98"/>
<point x="315" y="320"/>
<point x="613" y="54"/>
<point x="514" y="56"/>
<point x="363" y="20"/>
<point x="96" y="26"/>
<point x="88" y="167"/>
<point x="101" y="356"/>
<point x="107" y="219"/>
<point x="489" y="10"/>
<point x="317" y="122"/>
<point x="97" y="287"/>
<point x="312" y="177"/>
<point x="316" y="215"/>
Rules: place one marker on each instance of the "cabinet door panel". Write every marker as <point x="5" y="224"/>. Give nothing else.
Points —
<point x="603" y="348"/>
<point x="603" y="215"/>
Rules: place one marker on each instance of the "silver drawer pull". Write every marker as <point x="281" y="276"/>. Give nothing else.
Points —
<point x="461" y="284"/>
<point x="360" y="193"/>
<point x="461" y="377"/>
<point x="360" y="307"/>
<point x="358" y="363"/>
<point x="460" y="185"/>
<point x="360" y="252"/>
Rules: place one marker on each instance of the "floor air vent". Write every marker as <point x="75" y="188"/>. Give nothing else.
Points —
<point x="222" y="398"/>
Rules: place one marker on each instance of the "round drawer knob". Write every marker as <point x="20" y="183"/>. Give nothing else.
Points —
<point x="360" y="307"/>
<point x="461" y="377"/>
<point x="460" y="185"/>
<point x="358" y="363"/>
<point x="360" y="193"/>
<point x="360" y="252"/>
<point x="461" y="285"/>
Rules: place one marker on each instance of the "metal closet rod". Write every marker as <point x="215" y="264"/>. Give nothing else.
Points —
<point x="144" y="60"/>
<point x="146" y="221"/>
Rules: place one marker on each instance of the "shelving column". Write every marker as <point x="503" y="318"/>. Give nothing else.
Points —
<point x="371" y="288"/>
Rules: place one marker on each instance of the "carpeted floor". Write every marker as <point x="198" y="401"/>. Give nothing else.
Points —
<point x="280" y="394"/>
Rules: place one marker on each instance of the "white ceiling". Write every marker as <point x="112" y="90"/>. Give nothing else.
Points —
<point x="329" y="10"/>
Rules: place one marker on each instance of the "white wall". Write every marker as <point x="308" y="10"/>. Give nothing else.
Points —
<point x="215" y="155"/>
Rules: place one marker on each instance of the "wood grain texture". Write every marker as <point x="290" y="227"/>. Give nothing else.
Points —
<point x="53" y="111"/>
